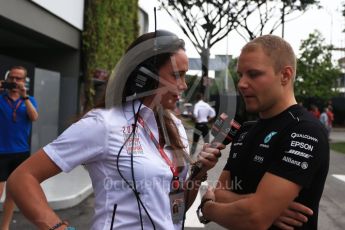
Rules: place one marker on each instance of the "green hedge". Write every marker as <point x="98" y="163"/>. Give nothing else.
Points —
<point x="110" y="26"/>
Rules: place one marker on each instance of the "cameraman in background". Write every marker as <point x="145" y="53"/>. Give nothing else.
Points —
<point x="17" y="111"/>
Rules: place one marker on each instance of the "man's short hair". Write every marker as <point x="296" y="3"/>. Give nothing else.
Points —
<point x="20" y="67"/>
<point x="279" y="51"/>
<point x="199" y="96"/>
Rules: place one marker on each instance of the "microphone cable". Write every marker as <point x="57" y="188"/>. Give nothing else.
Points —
<point x="136" y="193"/>
<point x="132" y="187"/>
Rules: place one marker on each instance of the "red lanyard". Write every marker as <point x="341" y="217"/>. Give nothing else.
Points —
<point x="175" y="181"/>
<point x="14" y="108"/>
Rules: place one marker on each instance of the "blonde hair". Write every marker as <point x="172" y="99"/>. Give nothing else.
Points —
<point x="277" y="49"/>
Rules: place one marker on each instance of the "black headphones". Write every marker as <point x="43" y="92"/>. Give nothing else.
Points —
<point x="136" y="73"/>
<point x="145" y="77"/>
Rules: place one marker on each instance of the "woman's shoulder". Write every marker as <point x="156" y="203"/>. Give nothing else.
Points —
<point x="112" y="115"/>
<point x="176" y="120"/>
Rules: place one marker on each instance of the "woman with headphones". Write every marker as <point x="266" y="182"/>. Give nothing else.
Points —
<point x="134" y="147"/>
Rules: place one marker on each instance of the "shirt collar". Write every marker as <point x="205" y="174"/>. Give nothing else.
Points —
<point x="6" y="95"/>
<point x="145" y="112"/>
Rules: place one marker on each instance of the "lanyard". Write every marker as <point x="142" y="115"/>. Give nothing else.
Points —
<point x="14" y="108"/>
<point x="175" y="183"/>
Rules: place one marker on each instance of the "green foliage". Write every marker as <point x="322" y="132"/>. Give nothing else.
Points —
<point x="316" y="73"/>
<point x="192" y="82"/>
<point x="110" y="26"/>
<point x="217" y="86"/>
<point x="339" y="147"/>
<point x="233" y="70"/>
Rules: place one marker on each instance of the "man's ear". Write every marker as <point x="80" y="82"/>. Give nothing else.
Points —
<point x="287" y="75"/>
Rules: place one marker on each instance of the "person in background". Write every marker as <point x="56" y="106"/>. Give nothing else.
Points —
<point x="203" y="113"/>
<point x="315" y="111"/>
<point x="17" y="112"/>
<point x="330" y="116"/>
<point x="324" y="119"/>
<point x="136" y="152"/>
<point x="277" y="166"/>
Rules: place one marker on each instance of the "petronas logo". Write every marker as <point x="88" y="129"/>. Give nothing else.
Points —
<point x="269" y="136"/>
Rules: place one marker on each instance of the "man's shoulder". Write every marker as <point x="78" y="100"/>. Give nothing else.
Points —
<point x="204" y="104"/>
<point x="308" y="120"/>
<point x="3" y="97"/>
<point x="307" y="130"/>
<point x="201" y="102"/>
<point x="32" y="98"/>
<point x="303" y="117"/>
<point x="308" y="125"/>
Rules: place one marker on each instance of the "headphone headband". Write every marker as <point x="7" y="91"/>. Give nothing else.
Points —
<point x="132" y="59"/>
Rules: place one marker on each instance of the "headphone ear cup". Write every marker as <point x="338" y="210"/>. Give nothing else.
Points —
<point x="6" y="74"/>
<point x="145" y="79"/>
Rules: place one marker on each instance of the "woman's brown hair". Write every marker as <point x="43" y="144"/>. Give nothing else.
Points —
<point x="171" y="136"/>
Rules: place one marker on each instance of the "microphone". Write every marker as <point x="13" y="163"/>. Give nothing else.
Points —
<point x="224" y="130"/>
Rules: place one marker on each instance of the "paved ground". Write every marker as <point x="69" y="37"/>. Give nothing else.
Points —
<point x="332" y="206"/>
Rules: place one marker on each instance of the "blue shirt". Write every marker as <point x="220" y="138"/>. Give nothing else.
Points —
<point x="14" y="135"/>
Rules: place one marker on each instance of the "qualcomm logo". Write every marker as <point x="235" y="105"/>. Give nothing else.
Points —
<point x="269" y="136"/>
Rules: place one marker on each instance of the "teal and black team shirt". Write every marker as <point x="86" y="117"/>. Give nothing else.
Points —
<point x="14" y="135"/>
<point x="292" y="145"/>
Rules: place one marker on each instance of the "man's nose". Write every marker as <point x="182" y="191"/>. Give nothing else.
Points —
<point x="242" y="83"/>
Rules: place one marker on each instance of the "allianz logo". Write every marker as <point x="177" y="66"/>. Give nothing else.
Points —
<point x="303" y="165"/>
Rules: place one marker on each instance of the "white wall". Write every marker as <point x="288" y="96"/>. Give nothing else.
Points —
<point x="69" y="11"/>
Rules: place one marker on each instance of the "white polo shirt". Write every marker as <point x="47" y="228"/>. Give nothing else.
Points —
<point x="95" y="140"/>
<point x="202" y="110"/>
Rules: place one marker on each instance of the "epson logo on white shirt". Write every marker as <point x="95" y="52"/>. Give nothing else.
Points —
<point x="304" y="136"/>
<point x="302" y="145"/>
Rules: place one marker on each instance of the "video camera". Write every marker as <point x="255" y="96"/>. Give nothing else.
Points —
<point x="8" y="85"/>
